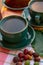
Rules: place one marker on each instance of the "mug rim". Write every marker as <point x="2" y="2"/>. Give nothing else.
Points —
<point x="22" y="8"/>
<point x="32" y="8"/>
<point x="10" y="33"/>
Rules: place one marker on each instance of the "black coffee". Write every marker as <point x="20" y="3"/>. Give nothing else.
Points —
<point x="37" y="6"/>
<point x="13" y="25"/>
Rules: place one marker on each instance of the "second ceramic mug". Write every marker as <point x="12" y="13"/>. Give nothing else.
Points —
<point x="13" y="28"/>
<point x="36" y="11"/>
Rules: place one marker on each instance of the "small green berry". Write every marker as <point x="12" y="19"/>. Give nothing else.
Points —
<point x="36" y="63"/>
<point x="27" y="62"/>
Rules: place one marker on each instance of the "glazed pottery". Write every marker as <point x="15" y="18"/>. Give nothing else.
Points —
<point x="15" y="4"/>
<point x="13" y="37"/>
<point x="31" y="22"/>
<point x="36" y="11"/>
<point x="30" y="36"/>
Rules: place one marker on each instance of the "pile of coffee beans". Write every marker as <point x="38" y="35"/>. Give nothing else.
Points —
<point x="25" y="57"/>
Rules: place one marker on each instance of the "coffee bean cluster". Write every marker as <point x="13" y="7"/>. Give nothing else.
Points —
<point x="25" y="57"/>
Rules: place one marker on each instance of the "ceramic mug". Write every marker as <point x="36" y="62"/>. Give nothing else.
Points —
<point x="15" y="4"/>
<point x="36" y="11"/>
<point x="13" y="37"/>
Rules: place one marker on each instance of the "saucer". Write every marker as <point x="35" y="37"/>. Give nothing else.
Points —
<point x="28" y="40"/>
<point x="38" y="43"/>
<point x="3" y="1"/>
<point x="26" y="15"/>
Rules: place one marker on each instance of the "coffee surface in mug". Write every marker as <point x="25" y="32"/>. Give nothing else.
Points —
<point x="37" y="6"/>
<point x="14" y="25"/>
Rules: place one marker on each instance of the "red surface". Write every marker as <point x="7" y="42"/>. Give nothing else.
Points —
<point x="7" y="12"/>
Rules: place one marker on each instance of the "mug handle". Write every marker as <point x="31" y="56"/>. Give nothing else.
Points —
<point x="37" y="19"/>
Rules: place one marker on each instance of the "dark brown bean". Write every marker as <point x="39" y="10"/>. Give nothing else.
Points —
<point x="35" y="55"/>
<point x="37" y="59"/>
<point x="15" y="59"/>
